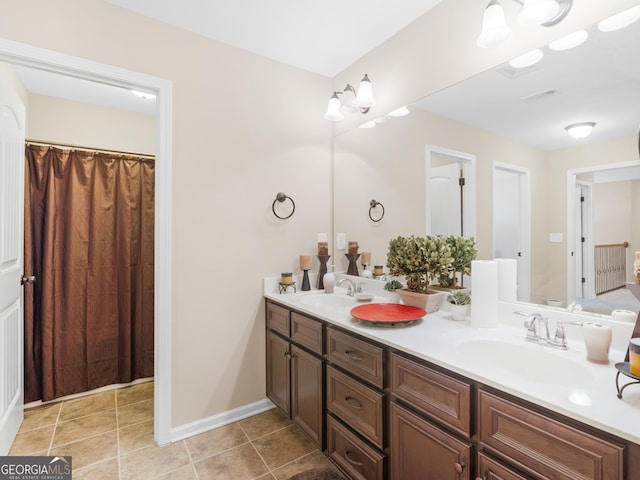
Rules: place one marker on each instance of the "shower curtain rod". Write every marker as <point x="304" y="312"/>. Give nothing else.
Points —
<point x="88" y="149"/>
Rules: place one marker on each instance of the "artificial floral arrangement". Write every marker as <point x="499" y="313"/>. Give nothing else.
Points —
<point x="459" y="297"/>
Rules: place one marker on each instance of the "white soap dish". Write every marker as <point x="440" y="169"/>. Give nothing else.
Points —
<point x="364" y="297"/>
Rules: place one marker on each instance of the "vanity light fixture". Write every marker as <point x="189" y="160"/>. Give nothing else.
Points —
<point x="350" y="101"/>
<point x="580" y="130"/>
<point x="528" y="59"/>
<point x="495" y="30"/>
<point x="620" y="20"/>
<point x="570" y="41"/>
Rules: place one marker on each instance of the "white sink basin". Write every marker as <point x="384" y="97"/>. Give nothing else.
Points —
<point x="336" y="301"/>
<point x="529" y="361"/>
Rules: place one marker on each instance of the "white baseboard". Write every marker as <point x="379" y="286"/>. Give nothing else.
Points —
<point x="220" y="419"/>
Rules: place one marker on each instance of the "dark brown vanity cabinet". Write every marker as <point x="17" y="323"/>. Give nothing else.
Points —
<point x="356" y="405"/>
<point x="295" y="370"/>
<point x="430" y="423"/>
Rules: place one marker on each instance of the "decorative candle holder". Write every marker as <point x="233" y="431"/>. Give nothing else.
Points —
<point x="353" y="263"/>
<point x="323" y="269"/>
<point x="285" y="286"/>
<point x="305" y="281"/>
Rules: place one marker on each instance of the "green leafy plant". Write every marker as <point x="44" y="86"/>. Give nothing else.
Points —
<point x="463" y="251"/>
<point x="459" y="297"/>
<point x="421" y="260"/>
<point x="392" y="286"/>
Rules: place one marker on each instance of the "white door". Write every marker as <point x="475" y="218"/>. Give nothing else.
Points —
<point x="445" y="190"/>
<point x="511" y="222"/>
<point x="11" y="249"/>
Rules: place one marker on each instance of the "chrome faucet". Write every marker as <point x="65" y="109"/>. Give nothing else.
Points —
<point x="535" y="323"/>
<point x="351" y="288"/>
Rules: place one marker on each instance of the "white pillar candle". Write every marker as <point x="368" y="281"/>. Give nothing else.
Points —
<point x="507" y="279"/>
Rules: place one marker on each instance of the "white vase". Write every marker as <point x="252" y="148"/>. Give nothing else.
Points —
<point x="458" y="312"/>
<point x="430" y="302"/>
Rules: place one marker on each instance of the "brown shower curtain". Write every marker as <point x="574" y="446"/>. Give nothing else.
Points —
<point x="89" y="226"/>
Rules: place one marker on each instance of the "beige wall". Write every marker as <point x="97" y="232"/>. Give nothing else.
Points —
<point x="57" y="120"/>
<point x="244" y="128"/>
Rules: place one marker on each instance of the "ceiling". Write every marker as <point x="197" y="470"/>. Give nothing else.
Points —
<point x="598" y="81"/>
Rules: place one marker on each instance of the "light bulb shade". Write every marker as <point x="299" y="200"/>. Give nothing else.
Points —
<point x="364" y="99"/>
<point x="620" y="20"/>
<point x="528" y="59"/>
<point x="333" y="109"/>
<point x="537" y="12"/>
<point x="348" y="100"/>
<point x="580" y="130"/>
<point x="569" y="41"/>
<point x="494" y="26"/>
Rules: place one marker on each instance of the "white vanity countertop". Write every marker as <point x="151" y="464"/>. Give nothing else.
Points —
<point x="562" y="381"/>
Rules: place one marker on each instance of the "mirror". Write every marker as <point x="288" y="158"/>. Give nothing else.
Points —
<point x="509" y="121"/>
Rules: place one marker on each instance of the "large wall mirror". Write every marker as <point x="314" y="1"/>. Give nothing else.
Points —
<point x="512" y="123"/>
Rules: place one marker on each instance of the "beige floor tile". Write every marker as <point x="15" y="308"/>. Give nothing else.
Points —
<point x="185" y="473"/>
<point x="135" y="413"/>
<point x="84" y="427"/>
<point x="38" y="417"/>
<point x="134" y="394"/>
<point x="136" y="436"/>
<point x="283" y="446"/>
<point x="90" y="450"/>
<point x="215" y="441"/>
<point x="268" y="476"/>
<point x="33" y="441"/>
<point x="314" y="460"/>
<point x="107" y="470"/>
<point x="264" y="423"/>
<point x="89" y="405"/>
<point x="151" y="462"/>
<point x="239" y="463"/>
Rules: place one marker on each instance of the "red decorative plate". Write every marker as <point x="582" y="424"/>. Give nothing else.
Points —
<point x="387" y="313"/>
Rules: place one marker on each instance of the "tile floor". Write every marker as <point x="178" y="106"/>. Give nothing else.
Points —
<point x="110" y="436"/>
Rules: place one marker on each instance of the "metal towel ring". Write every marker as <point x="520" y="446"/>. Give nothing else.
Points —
<point x="281" y="197"/>
<point x="373" y="204"/>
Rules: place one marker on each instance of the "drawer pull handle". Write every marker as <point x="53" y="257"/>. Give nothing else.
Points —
<point x="354" y="355"/>
<point x="348" y="454"/>
<point x="353" y="402"/>
<point x="459" y="466"/>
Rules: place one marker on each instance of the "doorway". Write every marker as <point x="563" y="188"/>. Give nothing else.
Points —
<point x="511" y="221"/>
<point x="18" y="54"/>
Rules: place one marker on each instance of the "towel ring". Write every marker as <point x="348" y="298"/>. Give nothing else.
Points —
<point x="373" y="204"/>
<point x="281" y="197"/>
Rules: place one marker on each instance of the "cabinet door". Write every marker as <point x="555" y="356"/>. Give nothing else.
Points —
<point x="421" y="451"/>
<point x="489" y="469"/>
<point x="306" y="393"/>
<point x="278" y="369"/>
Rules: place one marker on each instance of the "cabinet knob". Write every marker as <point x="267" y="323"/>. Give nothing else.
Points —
<point x="459" y="466"/>
<point x="480" y="478"/>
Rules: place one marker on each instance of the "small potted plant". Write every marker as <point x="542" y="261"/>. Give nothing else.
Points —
<point x="420" y="260"/>
<point x="463" y="251"/>
<point x="459" y="302"/>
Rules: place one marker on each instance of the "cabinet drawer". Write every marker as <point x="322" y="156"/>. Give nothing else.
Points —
<point x="543" y="447"/>
<point x="351" y="454"/>
<point x="357" y="356"/>
<point x="419" y="450"/>
<point x="278" y="319"/>
<point x="489" y="469"/>
<point x="432" y="392"/>
<point x="357" y="405"/>
<point x="306" y="332"/>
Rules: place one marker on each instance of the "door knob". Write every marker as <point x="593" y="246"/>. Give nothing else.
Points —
<point x="30" y="279"/>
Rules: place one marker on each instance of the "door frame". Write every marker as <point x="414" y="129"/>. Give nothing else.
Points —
<point x="524" y="265"/>
<point x="467" y="163"/>
<point x="25" y="55"/>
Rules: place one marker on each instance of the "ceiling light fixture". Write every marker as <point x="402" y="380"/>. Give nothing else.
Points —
<point x="580" y="130"/>
<point x="351" y="102"/>
<point x="495" y="30"/>
<point x="620" y="20"/>
<point x="569" y="41"/>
